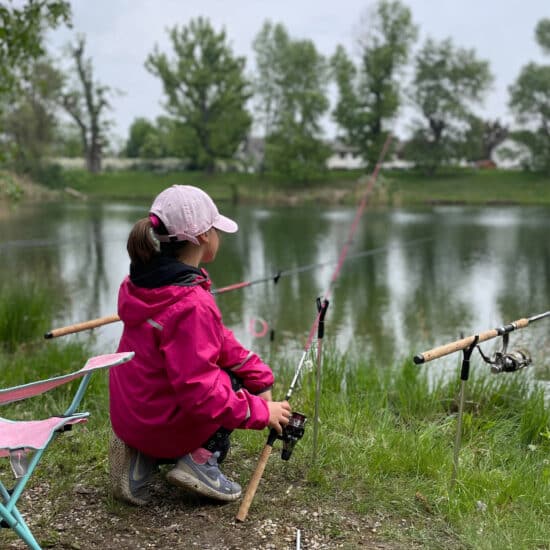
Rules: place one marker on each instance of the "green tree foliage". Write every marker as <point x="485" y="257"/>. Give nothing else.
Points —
<point x="166" y="137"/>
<point x="206" y="92"/>
<point x="141" y="133"/>
<point x="530" y="103"/>
<point x="291" y="91"/>
<point x="67" y="142"/>
<point x="448" y="82"/>
<point x="22" y="26"/>
<point x="86" y="101"/>
<point x="542" y="35"/>
<point x="369" y="94"/>
<point x="21" y="36"/>
<point x="29" y="122"/>
<point x="481" y="137"/>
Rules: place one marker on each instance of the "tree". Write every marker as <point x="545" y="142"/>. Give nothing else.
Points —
<point x="166" y="137"/>
<point x="291" y="92"/>
<point x="67" y="142"/>
<point x="542" y="35"/>
<point x="206" y="91"/>
<point x="369" y="95"/>
<point x="139" y="133"/>
<point x="29" y="121"/>
<point x="530" y="103"/>
<point x="86" y="102"/>
<point x="21" y="44"/>
<point x="481" y="137"/>
<point x="448" y="82"/>
<point x="21" y="36"/>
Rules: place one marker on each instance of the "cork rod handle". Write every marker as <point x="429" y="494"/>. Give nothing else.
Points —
<point x="79" y="327"/>
<point x="253" y="483"/>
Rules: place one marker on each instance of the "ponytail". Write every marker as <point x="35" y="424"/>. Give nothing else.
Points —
<point x="141" y="245"/>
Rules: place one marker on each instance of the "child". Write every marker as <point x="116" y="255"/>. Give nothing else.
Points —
<point x="191" y="382"/>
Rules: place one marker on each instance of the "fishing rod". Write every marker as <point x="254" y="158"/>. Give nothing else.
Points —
<point x="501" y="361"/>
<point x="101" y="321"/>
<point x="297" y="421"/>
<point x="464" y="343"/>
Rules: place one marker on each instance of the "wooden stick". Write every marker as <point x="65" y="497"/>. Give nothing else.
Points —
<point x="253" y="483"/>
<point x="79" y="327"/>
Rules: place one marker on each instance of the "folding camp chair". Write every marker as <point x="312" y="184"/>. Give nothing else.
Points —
<point x="19" y="439"/>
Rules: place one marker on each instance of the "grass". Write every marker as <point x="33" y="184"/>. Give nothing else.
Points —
<point x="467" y="186"/>
<point x="461" y="186"/>
<point x="26" y="309"/>
<point x="222" y="187"/>
<point x="387" y="439"/>
<point x="385" y="451"/>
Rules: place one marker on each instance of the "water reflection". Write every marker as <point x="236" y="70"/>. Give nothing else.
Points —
<point x="480" y="267"/>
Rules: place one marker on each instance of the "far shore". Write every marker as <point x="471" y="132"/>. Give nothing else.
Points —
<point x="492" y="187"/>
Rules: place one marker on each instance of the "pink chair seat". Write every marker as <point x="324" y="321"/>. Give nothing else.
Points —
<point x="32" y="434"/>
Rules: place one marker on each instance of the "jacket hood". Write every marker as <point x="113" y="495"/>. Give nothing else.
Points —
<point x="152" y="288"/>
<point x="164" y="270"/>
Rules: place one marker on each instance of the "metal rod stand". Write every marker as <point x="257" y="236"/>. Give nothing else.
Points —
<point x="464" y="375"/>
<point x="322" y="309"/>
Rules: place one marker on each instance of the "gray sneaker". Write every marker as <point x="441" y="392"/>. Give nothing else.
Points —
<point x="130" y="472"/>
<point x="204" y="479"/>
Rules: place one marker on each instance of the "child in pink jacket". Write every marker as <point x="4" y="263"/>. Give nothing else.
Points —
<point x="191" y="382"/>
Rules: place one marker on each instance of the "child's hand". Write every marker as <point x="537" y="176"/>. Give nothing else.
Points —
<point x="279" y="413"/>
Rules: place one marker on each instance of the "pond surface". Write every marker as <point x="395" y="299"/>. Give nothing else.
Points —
<point x="433" y="274"/>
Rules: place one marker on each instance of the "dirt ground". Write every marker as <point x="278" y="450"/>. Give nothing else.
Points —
<point x="86" y="518"/>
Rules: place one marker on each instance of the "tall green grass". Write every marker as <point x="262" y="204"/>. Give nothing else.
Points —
<point x="387" y="439"/>
<point x="26" y="310"/>
<point x="385" y="447"/>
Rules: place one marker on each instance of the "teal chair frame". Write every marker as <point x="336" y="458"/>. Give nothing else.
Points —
<point x="19" y="439"/>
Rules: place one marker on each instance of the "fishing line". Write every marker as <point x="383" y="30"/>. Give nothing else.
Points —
<point x="309" y="267"/>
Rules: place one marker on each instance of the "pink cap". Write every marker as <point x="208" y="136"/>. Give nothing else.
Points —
<point x="187" y="212"/>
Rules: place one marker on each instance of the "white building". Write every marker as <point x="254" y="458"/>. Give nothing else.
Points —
<point x="343" y="157"/>
<point x="511" y="154"/>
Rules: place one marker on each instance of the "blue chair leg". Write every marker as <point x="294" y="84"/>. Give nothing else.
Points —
<point x="8" y="510"/>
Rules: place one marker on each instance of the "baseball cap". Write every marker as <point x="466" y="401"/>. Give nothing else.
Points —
<point x="187" y="212"/>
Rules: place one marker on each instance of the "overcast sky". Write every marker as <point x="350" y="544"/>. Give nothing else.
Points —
<point x="121" y="33"/>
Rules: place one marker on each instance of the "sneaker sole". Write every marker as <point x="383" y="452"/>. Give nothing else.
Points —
<point x="119" y="462"/>
<point x="187" y="481"/>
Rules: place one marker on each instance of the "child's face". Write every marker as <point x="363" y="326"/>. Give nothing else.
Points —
<point x="211" y="246"/>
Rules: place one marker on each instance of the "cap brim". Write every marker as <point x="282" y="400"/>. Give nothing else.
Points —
<point x="225" y="224"/>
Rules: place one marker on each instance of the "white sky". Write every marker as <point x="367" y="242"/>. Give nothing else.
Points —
<point x="121" y="33"/>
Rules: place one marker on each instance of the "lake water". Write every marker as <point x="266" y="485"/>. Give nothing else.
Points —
<point x="433" y="274"/>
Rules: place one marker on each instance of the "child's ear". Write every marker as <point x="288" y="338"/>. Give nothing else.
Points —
<point x="203" y="237"/>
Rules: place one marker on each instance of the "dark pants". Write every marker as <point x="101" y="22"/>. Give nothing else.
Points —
<point x="219" y="441"/>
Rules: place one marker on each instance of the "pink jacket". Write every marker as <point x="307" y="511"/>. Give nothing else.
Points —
<point x="175" y="393"/>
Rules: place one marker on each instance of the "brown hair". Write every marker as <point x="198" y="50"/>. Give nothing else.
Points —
<point x="143" y="247"/>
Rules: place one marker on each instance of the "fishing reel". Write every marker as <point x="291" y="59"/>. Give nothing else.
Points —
<point x="292" y="433"/>
<point x="504" y="361"/>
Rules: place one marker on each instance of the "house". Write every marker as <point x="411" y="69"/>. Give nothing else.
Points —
<point x="343" y="157"/>
<point x="511" y="154"/>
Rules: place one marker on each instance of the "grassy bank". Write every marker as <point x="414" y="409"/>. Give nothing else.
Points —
<point x="462" y="186"/>
<point x="470" y="187"/>
<point x="381" y="477"/>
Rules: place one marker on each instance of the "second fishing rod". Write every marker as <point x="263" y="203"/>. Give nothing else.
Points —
<point x="114" y="318"/>
<point x="295" y="429"/>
